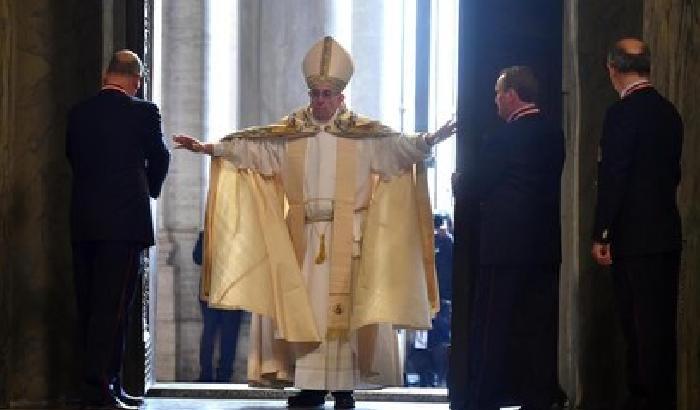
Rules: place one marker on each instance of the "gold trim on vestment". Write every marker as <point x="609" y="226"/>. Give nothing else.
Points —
<point x="205" y="280"/>
<point x="300" y="123"/>
<point x="425" y="219"/>
<point x="296" y="216"/>
<point x="326" y="56"/>
<point x="343" y="219"/>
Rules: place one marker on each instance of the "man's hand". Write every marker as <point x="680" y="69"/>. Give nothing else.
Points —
<point x="444" y="132"/>
<point x="601" y="253"/>
<point x="191" y="144"/>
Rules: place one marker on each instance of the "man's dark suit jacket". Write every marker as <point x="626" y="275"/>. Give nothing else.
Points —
<point x="116" y="150"/>
<point x="638" y="176"/>
<point x="519" y="185"/>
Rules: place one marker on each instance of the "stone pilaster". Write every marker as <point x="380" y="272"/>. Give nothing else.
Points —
<point x="599" y="335"/>
<point x="50" y="56"/>
<point x="181" y="205"/>
<point x="570" y="197"/>
<point x="367" y="46"/>
<point x="671" y="29"/>
<point x="272" y="83"/>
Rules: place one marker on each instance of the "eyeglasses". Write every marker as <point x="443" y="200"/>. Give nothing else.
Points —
<point x="322" y="93"/>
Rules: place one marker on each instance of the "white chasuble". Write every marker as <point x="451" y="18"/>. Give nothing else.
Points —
<point x="347" y="357"/>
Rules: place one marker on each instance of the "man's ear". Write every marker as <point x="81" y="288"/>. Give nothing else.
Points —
<point x="137" y="84"/>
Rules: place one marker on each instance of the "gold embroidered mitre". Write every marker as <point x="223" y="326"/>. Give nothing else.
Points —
<point x="327" y="62"/>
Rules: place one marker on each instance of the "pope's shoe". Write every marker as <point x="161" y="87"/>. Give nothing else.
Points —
<point x="344" y="400"/>
<point x="308" y="399"/>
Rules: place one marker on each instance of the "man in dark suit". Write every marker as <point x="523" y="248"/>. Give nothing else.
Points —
<point x="115" y="147"/>
<point x="637" y="224"/>
<point x="513" y="329"/>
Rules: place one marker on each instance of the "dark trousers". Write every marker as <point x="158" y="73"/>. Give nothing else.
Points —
<point x="225" y="323"/>
<point x="105" y="275"/>
<point x="646" y="294"/>
<point x="513" y="338"/>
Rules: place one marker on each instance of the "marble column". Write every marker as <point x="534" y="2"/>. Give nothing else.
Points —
<point x="570" y="212"/>
<point x="181" y="207"/>
<point x="367" y="45"/>
<point x="672" y="31"/>
<point x="274" y="37"/>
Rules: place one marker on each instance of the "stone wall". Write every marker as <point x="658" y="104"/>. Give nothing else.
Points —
<point x="599" y="341"/>
<point x="671" y="28"/>
<point x="50" y="54"/>
<point x="6" y="130"/>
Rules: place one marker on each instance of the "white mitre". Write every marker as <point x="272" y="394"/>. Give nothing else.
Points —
<point x="327" y="62"/>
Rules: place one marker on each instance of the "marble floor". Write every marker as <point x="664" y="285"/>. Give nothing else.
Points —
<point x="200" y="396"/>
<point x="214" y="404"/>
<point x="219" y="404"/>
<point x="222" y="404"/>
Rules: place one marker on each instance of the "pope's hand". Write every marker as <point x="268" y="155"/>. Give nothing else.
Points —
<point x="444" y="132"/>
<point x="188" y="142"/>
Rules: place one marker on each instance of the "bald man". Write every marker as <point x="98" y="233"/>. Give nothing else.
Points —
<point x="637" y="228"/>
<point x="114" y="144"/>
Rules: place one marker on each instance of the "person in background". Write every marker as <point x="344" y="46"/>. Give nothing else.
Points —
<point x="222" y="322"/>
<point x="439" y="336"/>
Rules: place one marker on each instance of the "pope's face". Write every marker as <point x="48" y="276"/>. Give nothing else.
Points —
<point x="324" y="102"/>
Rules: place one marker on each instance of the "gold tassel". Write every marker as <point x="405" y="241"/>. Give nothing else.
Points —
<point x="321" y="257"/>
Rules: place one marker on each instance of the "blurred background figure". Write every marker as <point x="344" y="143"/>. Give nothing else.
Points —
<point x="221" y="322"/>
<point x="439" y="337"/>
<point x="427" y="352"/>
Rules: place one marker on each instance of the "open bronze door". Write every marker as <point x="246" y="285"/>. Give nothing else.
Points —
<point x="493" y="35"/>
<point x="132" y="28"/>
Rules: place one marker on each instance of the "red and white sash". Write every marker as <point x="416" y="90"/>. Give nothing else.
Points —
<point x="528" y="109"/>
<point x="640" y="85"/>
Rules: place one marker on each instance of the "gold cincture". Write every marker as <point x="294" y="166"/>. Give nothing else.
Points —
<point x="321" y="256"/>
<point x="321" y="234"/>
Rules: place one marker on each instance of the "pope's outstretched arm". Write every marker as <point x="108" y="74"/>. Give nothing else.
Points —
<point x="446" y="131"/>
<point x="191" y="143"/>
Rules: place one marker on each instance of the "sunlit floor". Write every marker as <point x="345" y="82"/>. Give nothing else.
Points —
<point x="219" y="404"/>
<point x="214" y="404"/>
<point x="200" y="396"/>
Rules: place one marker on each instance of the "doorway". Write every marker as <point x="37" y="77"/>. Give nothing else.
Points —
<point x="221" y="66"/>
